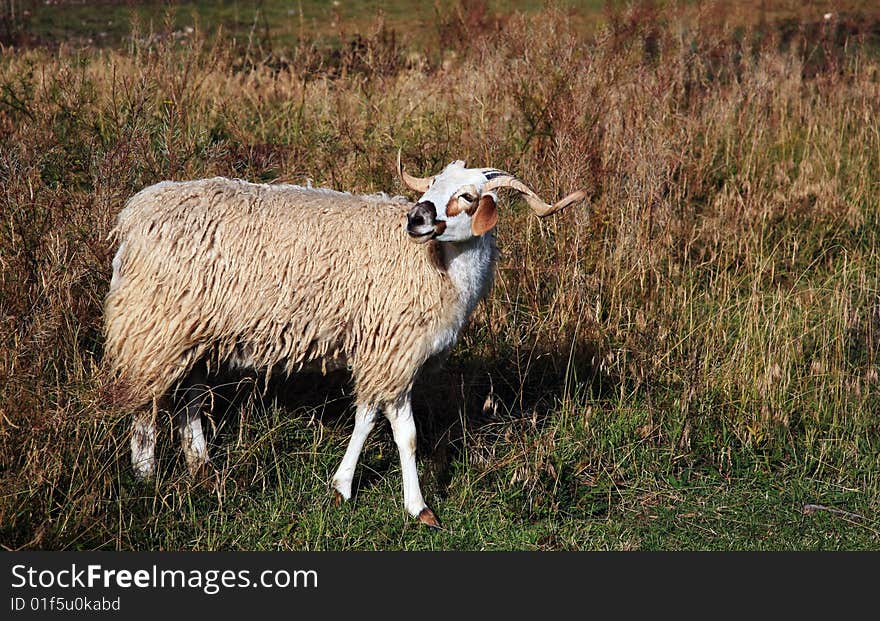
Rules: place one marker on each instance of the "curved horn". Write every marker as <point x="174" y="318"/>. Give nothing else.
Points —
<point x="419" y="184"/>
<point x="541" y="208"/>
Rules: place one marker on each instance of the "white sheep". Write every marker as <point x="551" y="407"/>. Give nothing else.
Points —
<point x="220" y="273"/>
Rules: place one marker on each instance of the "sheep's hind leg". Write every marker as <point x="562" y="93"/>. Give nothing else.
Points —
<point x="364" y="420"/>
<point x="404" y="428"/>
<point x="194" y="394"/>
<point x="143" y="442"/>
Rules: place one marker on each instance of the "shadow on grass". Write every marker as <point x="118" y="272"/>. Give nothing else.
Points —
<point x="475" y="400"/>
<point x="461" y="398"/>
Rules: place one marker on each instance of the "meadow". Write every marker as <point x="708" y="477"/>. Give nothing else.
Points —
<point x="687" y="361"/>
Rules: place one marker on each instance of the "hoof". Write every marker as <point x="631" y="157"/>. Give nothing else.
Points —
<point x="144" y="469"/>
<point x="198" y="472"/>
<point x="337" y="498"/>
<point x="427" y="517"/>
<point x="144" y="475"/>
<point x="205" y="477"/>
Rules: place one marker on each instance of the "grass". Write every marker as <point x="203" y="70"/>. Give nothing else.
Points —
<point x="272" y="23"/>
<point x="689" y="363"/>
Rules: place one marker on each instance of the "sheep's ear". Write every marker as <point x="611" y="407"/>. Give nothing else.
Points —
<point x="486" y="216"/>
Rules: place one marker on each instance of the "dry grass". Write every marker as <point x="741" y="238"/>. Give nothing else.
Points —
<point x="716" y="308"/>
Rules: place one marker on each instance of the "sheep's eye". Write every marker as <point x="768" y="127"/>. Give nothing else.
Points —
<point x="468" y="197"/>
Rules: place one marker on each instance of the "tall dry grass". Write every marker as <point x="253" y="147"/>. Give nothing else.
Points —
<point x="722" y="286"/>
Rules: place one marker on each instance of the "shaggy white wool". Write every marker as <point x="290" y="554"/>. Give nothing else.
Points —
<point x="280" y="277"/>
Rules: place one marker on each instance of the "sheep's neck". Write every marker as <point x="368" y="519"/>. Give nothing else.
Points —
<point x="470" y="266"/>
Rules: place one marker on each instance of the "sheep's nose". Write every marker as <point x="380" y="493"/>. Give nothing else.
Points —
<point x="421" y="219"/>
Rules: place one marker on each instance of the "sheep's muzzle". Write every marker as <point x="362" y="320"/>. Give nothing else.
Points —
<point x="422" y="224"/>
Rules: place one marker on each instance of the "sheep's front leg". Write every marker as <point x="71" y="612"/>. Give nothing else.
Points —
<point x="364" y="420"/>
<point x="404" y="428"/>
<point x="143" y="442"/>
<point x="194" y="394"/>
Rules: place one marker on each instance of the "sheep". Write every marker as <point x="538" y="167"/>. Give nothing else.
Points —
<point x="221" y="273"/>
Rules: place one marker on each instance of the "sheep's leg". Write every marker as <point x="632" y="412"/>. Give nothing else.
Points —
<point x="364" y="419"/>
<point x="194" y="394"/>
<point x="143" y="442"/>
<point x="404" y="428"/>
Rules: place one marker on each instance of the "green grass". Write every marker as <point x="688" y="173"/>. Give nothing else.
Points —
<point x="690" y="362"/>
<point x="272" y="24"/>
<point x="273" y="495"/>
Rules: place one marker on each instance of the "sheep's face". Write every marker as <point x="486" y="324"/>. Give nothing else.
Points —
<point x="454" y="208"/>
<point x="460" y="204"/>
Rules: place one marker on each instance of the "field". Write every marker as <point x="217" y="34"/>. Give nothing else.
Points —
<point x="688" y="361"/>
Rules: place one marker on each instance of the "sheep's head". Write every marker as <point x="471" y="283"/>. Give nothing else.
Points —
<point x="460" y="203"/>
